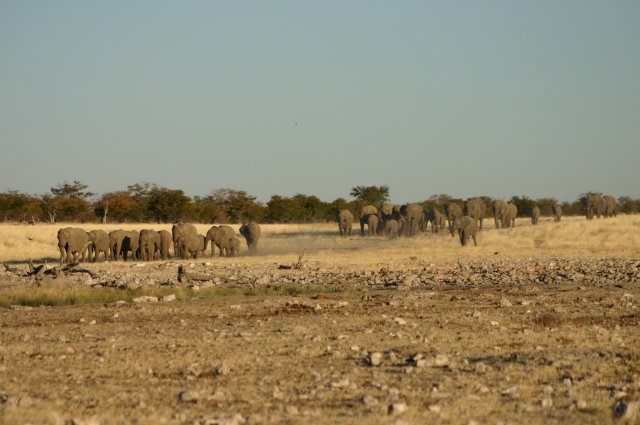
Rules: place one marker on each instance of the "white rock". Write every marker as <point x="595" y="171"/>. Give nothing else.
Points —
<point x="168" y="298"/>
<point x="374" y="359"/>
<point x="396" y="408"/>
<point x="145" y="299"/>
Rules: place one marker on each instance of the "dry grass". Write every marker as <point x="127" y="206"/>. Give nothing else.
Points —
<point x="573" y="237"/>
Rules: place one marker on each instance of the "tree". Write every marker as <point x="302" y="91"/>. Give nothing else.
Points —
<point x="238" y="206"/>
<point x="72" y="190"/>
<point x="167" y="204"/>
<point x="204" y="209"/>
<point x="524" y="205"/>
<point x="119" y="205"/>
<point x="374" y="195"/>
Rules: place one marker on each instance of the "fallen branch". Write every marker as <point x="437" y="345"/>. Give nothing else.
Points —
<point x="10" y="269"/>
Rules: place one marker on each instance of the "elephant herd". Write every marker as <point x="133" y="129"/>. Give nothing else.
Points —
<point x="408" y="220"/>
<point x="148" y="245"/>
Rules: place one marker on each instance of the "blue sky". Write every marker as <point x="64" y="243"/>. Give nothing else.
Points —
<point x="497" y="98"/>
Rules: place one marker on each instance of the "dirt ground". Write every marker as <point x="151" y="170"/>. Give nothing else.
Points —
<point x="470" y="341"/>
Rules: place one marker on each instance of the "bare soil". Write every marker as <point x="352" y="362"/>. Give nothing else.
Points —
<point x="461" y="342"/>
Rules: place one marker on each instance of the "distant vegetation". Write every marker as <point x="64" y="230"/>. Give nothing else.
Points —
<point x="72" y="202"/>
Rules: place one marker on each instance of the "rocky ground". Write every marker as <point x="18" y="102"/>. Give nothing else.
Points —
<point x="496" y="340"/>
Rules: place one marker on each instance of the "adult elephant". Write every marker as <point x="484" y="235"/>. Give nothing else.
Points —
<point x="149" y="244"/>
<point x="500" y="210"/>
<point x="594" y="205"/>
<point x="121" y="242"/>
<point x="191" y="245"/>
<point x="365" y="212"/>
<point x="166" y="240"/>
<point x="466" y="228"/>
<point x="535" y="215"/>
<point x="73" y="242"/>
<point x="220" y="236"/>
<point x="345" y="222"/>
<point x="372" y="224"/>
<point x="509" y="220"/>
<point x="391" y="228"/>
<point x="413" y="215"/>
<point x="181" y="229"/>
<point x="556" y="210"/>
<point x="609" y="206"/>
<point x="453" y="211"/>
<point x="437" y="220"/>
<point x="99" y="244"/>
<point x="475" y="208"/>
<point x="251" y="233"/>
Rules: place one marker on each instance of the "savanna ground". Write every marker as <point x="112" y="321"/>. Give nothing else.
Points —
<point x="538" y="324"/>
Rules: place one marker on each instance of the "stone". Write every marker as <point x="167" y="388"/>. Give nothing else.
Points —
<point x="374" y="359"/>
<point x="189" y="396"/>
<point x="396" y="408"/>
<point x="169" y="298"/>
<point x="370" y="400"/>
<point x="145" y="299"/>
<point x="505" y="303"/>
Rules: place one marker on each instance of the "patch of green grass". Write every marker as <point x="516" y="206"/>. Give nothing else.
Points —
<point x="74" y="295"/>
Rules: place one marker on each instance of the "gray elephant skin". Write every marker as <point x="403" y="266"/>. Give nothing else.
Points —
<point x="149" y="244"/>
<point x="413" y="215"/>
<point x="178" y="230"/>
<point x="475" y="208"/>
<point x="535" y="215"/>
<point x="166" y="240"/>
<point x="221" y="237"/>
<point x="453" y="211"/>
<point x="99" y="244"/>
<point x="466" y="228"/>
<point x="556" y="210"/>
<point x="365" y="212"/>
<point x="251" y="233"/>
<point x="391" y="228"/>
<point x="121" y="242"/>
<point x="437" y="220"/>
<point x="610" y="204"/>
<point x="345" y="222"/>
<point x="72" y="243"/>
<point x="500" y="210"/>
<point x="191" y="245"/>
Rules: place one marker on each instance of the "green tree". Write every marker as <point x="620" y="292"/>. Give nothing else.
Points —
<point x="238" y="206"/>
<point x="165" y="205"/>
<point x="72" y="190"/>
<point x="374" y="195"/>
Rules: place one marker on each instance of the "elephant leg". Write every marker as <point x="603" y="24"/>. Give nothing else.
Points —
<point x="475" y="242"/>
<point x="63" y="253"/>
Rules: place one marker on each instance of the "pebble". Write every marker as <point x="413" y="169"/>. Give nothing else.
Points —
<point x="189" y="396"/>
<point x="396" y="408"/>
<point x="168" y="298"/>
<point x="145" y="299"/>
<point x="374" y="359"/>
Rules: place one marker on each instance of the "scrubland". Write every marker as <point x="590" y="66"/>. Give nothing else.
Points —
<point x="537" y="324"/>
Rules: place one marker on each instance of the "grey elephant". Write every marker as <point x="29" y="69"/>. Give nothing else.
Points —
<point x="220" y="236"/>
<point x="166" y="240"/>
<point x="535" y="215"/>
<point x="594" y="205"/>
<point x="365" y="212"/>
<point x="345" y="222"/>
<point x="191" y="245"/>
<point x="500" y="210"/>
<point x="121" y="242"/>
<point x="475" y="208"/>
<point x="509" y="219"/>
<point x="149" y="243"/>
<point x="372" y="224"/>
<point x="73" y="243"/>
<point x="181" y="229"/>
<point x="453" y="211"/>
<point x="609" y="206"/>
<point x="391" y="228"/>
<point x="234" y="247"/>
<point x="556" y="210"/>
<point x="99" y="244"/>
<point x="437" y="220"/>
<point x="251" y="233"/>
<point x="413" y="215"/>
<point x="466" y="228"/>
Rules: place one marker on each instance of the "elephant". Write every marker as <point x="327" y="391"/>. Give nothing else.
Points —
<point x="234" y="246"/>
<point x="345" y="222"/>
<point x="594" y="205"/>
<point x="166" y="240"/>
<point x="475" y="208"/>
<point x="72" y="243"/>
<point x="437" y="220"/>
<point x="500" y="210"/>
<point x="190" y="244"/>
<point x="180" y="229"/>
<point x="99" y="244"/>
<point x="413" y="216"/>
<point x="466" y="228"/>
<point x="149" y="244"/>
<point x="365" y="212"/>
<point x="556" y="209"/>
<point x="251" y="233"/>
<point x="372" y="224"/>
<point x="452" y="211"/>
<point x="609" y="206"/>
<point x="220" y="236"/>
<point x="509" y="220"/>
<point x="535" y="215"/>
<point x="391" y="227"/>
<point x="123" y="241"/>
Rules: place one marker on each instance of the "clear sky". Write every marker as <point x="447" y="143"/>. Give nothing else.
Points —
<point x="498" y="98"/>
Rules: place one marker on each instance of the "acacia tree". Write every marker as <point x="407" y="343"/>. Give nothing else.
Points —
<point x="167" y="204"/>
<point x="238" y="205"/>
<point x="374" y="195"/>
<point x="68" y="200"/>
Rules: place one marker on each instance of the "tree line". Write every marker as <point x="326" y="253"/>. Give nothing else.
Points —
<point x="146" y="202"/>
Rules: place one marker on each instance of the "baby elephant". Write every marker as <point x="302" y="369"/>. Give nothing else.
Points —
<point x="466" y="227"/>
<point x="391" y="229"/>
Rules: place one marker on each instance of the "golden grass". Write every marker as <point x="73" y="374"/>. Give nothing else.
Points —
<point x="573" y="237"/>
